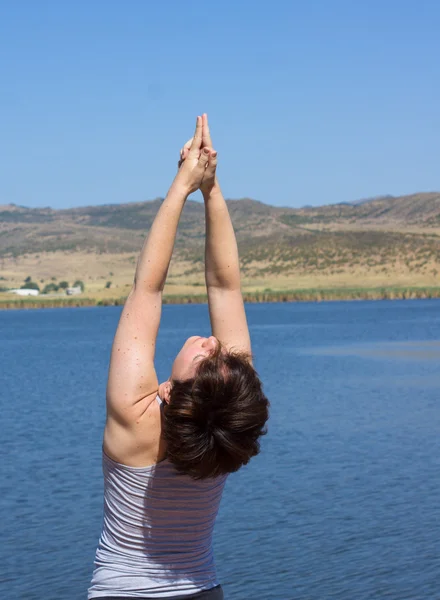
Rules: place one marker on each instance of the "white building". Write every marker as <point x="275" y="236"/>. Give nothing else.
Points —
<point x="24" y="292"/>
<point x="72" y="291"/>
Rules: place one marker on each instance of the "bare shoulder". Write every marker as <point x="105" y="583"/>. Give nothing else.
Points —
<point x="137" y="443"/>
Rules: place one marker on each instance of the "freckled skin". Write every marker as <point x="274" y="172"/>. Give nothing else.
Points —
<point x="133" y="384"/>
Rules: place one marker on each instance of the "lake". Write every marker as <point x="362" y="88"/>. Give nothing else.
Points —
<point x="343" y="501"/>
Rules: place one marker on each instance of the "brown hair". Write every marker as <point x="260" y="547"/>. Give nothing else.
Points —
<point x="213" y="421"/>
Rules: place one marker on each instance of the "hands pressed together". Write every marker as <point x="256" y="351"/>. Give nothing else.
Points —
<point x="198" y="160"/>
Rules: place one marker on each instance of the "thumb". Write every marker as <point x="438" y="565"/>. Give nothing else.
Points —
<point x="204" y="157"/>
<point x="212" y="165"/>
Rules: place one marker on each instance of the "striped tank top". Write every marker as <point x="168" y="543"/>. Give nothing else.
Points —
<point x="156" y="540"/>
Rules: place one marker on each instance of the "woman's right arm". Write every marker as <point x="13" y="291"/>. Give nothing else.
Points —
<point x="222" y="266"/>
<point x="132" y="382"/>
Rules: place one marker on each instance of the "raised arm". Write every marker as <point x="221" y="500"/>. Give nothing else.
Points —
<point x="132" y="381"/>
<point x="222" y="267"/>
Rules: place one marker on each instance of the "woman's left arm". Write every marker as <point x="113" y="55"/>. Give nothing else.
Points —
<point x="132" y="381"/>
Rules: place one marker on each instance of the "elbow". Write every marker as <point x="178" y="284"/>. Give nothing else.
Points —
<point x="223" y="281"/>
<point x="148" y="286"/>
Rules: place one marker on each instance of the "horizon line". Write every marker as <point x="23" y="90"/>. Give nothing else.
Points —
<point x="190" y="199"/>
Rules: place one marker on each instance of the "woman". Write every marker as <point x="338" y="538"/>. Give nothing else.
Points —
<point x="168" y="448"/>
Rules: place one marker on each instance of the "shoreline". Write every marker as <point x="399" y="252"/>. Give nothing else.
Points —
<point x="304" y="295"/>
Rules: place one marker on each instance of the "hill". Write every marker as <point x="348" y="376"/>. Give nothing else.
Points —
<point x="382" y="240"/>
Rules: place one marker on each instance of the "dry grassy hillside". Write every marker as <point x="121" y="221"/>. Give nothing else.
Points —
<point x="384" y="241"/>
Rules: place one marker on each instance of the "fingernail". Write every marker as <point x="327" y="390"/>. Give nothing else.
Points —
<point x="214" y="154"/>
<point x="205" y="150"/>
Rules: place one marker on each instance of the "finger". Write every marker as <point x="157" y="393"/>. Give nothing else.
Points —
<point x="206" y="137"/>
<point x="197" y="139"/>
<point x="187" y="145"/>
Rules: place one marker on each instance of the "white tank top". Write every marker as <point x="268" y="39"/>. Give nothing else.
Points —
<point x="156" y="540"/>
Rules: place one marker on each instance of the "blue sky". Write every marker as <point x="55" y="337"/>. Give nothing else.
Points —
<point x="310" y="102"/>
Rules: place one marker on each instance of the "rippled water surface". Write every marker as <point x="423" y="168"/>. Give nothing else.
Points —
<point x="343" y="501"/>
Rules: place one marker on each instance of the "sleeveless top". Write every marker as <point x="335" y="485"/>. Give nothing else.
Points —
<point x="156" y="539"/>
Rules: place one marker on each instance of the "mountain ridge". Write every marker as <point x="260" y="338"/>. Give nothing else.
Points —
<point x="422" y="199"/>
<point x="384" y="238"/>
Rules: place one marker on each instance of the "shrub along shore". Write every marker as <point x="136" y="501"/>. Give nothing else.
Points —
<point x="308" y="295"/>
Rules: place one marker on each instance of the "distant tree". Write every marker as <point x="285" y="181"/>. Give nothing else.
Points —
<point x="31" y="285"/>
<point x="53" y="278"/>
<point x="63" y="285"/>
<point x="28" y="280"/>
<point x="80" y="284"/>
<point x="108" y="284"/>
<point x="50" y="287"/>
